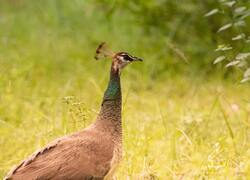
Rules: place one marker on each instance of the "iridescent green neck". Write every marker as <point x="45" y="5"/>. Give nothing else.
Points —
<point x="113" y="91"/>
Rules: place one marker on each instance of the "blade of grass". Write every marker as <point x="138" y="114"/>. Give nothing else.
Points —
<point x="228" y="125"/>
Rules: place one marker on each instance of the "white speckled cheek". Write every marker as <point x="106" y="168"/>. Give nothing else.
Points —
<point x="123" y="64"/>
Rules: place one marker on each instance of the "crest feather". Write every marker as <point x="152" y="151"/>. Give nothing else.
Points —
<point x="103" y="51"/>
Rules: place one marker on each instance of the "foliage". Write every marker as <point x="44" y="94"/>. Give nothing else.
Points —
<point x="176" y="124"/>
<point x="234" y="48"/>
<point x="175" y="28"/>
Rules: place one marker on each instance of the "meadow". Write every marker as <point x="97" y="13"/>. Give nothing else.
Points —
<point x="179" y="121"/>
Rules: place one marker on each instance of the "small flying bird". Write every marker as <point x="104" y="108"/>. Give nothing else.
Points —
<point x="92" y="153"/>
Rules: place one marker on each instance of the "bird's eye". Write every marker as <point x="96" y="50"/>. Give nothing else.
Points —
<point x="127" y="57"/>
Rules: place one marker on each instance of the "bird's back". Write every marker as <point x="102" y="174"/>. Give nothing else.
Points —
<point x="83" y="155"/>
<point x="92" y="153"/>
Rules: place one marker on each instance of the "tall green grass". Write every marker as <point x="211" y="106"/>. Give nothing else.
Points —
<point x="175" y="126"/>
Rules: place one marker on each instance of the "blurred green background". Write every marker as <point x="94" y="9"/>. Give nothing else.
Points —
<point x="183" y="117"/>
<point x="168" y="33"/>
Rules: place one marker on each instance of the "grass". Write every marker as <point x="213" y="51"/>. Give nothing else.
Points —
<point x="174" y="126"/>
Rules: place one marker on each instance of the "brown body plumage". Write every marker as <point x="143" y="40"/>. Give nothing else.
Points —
<point x="89" y="154"/>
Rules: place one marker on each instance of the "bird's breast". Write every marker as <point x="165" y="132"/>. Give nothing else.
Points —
<point x="117" y="157"/>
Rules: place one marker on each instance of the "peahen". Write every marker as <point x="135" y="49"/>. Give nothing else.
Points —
<point x="92" y="153"/>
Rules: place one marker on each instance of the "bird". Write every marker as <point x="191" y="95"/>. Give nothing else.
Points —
<point x="92" y="153"/>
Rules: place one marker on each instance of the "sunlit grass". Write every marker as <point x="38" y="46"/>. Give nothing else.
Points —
<point x="174" y="126"/>
<point x="181" y="132"/>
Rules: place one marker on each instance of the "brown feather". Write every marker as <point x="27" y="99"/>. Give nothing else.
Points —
<point x="89" y="154"/>
<point x="103" y="51"/>
<point x="84" y="155"/>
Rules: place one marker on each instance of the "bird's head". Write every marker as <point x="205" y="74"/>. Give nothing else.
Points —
<point x="119" y="60"/>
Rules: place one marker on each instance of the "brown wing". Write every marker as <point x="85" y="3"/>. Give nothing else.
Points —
<point x="80" y="156"/>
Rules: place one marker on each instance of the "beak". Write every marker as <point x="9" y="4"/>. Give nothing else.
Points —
<point x="137" y="59"/>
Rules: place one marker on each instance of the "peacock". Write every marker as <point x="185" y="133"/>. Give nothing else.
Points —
<point x="92" y="153"/>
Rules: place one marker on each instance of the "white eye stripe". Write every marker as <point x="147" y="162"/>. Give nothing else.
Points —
<point x="125" y="54"/>
<point x="126" y="57"/>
